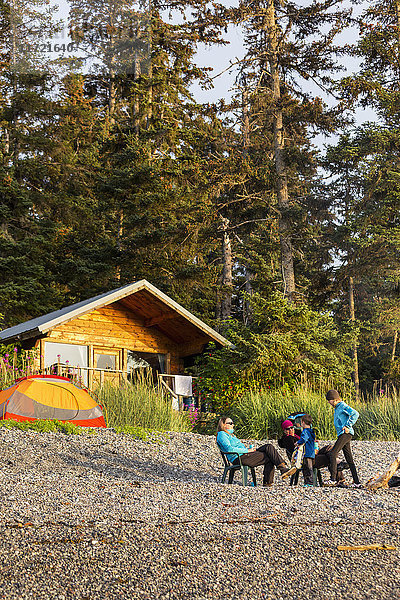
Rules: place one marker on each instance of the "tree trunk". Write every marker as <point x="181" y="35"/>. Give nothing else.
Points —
<point x="381" y="481"/>
<point x="112" y="93"/>
<point x="394" y="346"/>
<point x="136" y="104"/>
<point x="111" y="99"/>
<point x="247" y="313"/>
<point x="397" y="8"/>
<point x="355" y="353"/>
<point x="279" y="146"/>
<point x="14" y="132"/>
<point x="246" y="122"/>
<point x="120" y="232"/>
<point x="150" y="71"/>
<point x="225" y="305"/>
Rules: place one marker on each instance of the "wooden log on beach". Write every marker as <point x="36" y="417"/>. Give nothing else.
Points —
<point x="382" y="480"/>
<point x="367" y="547"/>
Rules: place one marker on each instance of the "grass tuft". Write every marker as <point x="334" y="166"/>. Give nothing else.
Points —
<point x="140" y="433"/>
<point x="45" y="426"/>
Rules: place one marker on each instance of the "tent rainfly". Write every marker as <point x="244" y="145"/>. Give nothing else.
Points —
<point x="50" y="397"/>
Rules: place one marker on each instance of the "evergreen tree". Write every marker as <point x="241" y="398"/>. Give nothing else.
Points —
<point x="25" y="113"/>
<point x="365" y="165"/>
<point x="288" y="45"/>
<point x="155" y="178"/>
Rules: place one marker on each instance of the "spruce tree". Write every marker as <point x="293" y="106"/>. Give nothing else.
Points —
<point x="287" y="46"/>
<point x="365" y="167"/>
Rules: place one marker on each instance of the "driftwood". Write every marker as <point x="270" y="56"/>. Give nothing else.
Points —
<point x="367" y="547"/>
<point x="381" y="481"/>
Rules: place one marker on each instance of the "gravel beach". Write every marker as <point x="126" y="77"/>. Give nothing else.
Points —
<point x="103" y="515"/>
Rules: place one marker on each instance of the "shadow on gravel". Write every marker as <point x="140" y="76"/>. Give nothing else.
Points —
<point x="138" y="469"/>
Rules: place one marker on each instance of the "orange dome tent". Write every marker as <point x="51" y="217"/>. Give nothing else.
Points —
<point x="50" y="397"/>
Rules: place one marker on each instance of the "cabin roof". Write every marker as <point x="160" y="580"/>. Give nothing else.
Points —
<point x="153" y="306"/>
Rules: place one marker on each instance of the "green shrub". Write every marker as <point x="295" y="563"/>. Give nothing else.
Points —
<point x="222" y="391"/>
<point x="284" y="344"/>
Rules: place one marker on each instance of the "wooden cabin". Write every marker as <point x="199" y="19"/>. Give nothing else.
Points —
<point x="111" y="335"/>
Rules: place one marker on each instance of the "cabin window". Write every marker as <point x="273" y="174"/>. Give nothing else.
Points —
<point x="106" y="361"/>
<point x="68" y="356"/>
<point x="146" y="360"/>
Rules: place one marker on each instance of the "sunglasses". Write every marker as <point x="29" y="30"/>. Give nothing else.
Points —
<point x="228" y="423"/>
<point x="288" y="428"/>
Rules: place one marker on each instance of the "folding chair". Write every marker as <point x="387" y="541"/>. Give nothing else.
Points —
<point x="231" y="469"/>
<point x="317" y="478"/>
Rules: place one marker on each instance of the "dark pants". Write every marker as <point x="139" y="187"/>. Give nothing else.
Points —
<point x="394" y="481"/>
<point x="265" y="455"/>
<point x="342" y="443"/>
<point x="308" y="465"/>
<point x="322" y="460"/>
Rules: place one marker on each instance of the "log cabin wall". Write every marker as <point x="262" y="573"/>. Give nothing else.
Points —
<point x="116" y="328"/>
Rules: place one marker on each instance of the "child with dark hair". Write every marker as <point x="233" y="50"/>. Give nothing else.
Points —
<point x="307" y="439"/>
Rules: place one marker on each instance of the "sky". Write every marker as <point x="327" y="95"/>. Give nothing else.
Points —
<point x="220" y="58"/>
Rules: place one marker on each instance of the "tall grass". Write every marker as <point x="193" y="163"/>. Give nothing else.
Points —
<point x="380" y="418"/>
<point x="140" y="404"/>
<point x="258" y="414"/>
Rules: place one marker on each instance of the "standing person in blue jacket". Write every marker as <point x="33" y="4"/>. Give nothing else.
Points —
<point x="308" y="439"/>
<point x="265" y="455"/>
<point x="344" y="418"/>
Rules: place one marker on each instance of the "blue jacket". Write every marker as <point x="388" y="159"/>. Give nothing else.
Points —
<point x="344" y="416"/>
<point x="229" y="443"/>
<point x="308" y="439"/>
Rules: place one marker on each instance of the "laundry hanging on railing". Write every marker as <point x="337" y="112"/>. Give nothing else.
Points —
<point x="182" y="385"/>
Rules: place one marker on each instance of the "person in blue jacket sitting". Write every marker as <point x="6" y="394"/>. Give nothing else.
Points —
<point x="265" y="455"/>
<point x="307" y="438"/>
<point x="344" y="418"/>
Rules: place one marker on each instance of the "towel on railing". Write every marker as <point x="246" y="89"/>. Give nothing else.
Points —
<point x="182" y="385"/>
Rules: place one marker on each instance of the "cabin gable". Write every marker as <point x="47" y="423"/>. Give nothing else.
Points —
<point x="113" y="326"/>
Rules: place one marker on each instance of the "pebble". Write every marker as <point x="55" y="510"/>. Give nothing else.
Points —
<point x="107" y="516"/>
